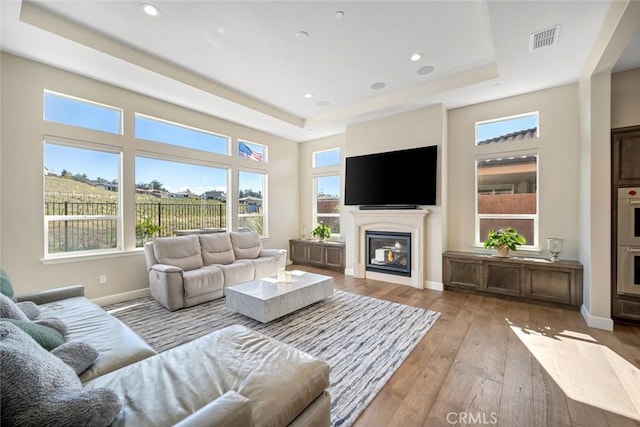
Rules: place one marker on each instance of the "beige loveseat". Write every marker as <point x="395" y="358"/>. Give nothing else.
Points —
<point x="231" y="377"/>
<point x="189" y="270"/>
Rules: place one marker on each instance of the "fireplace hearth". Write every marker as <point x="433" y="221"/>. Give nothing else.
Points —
<point x="388" y="252"/>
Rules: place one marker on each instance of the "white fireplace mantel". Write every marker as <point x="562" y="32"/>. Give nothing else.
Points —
<point x="405" y="221"/>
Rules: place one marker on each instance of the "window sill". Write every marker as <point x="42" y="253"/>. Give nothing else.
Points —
<point x="63" y="259"/>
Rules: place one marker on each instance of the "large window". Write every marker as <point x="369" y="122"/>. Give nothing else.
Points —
<point x="81" y="113"/>
<point x="507" y="196"/>
<point x="81" y="198"/>
<point x="175" y="134"/>
<point x="251" y="198"/>
<point x="173" y="197"/>
<point x="327" y="202"/>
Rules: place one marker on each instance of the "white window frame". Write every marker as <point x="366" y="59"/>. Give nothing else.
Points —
<point x="265" y="179"/>
<point x="478" y="241"/>
<point x="118" y="218"/>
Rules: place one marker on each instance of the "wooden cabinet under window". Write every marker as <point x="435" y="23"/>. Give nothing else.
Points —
<point x="526" y="278"/>
<point x="320" y="254"/>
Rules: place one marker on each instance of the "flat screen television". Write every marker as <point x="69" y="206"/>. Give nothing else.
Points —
<point x="403" y="178"/>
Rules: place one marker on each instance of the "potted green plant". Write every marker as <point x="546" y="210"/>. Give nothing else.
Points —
<point x="322" y="231"/>
<point x="503" y="240"/>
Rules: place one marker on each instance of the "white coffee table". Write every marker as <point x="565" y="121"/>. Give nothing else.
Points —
<point x="266" y="299"/>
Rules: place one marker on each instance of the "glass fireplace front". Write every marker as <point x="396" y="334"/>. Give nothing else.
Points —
<point x="389" y="252"/>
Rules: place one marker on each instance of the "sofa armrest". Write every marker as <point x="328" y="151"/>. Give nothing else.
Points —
<point x="229" y="410"/>
<point x="273" y="252"/>
<point x="50" y="295"/>
<point x="164" y="268"/>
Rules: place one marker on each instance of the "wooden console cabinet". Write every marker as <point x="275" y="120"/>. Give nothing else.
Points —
<point x="320" y="254"/>
<point x="526" y="278"/>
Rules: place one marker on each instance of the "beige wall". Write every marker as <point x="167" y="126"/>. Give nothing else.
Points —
<point x="558" y="164"/>
<point x="418" y="128"/>
<point x="625" y="99"/>
<point x="21" y="227"/>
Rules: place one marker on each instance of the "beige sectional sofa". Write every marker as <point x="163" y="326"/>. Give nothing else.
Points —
<point x="230" y="377"/>
<point x="189" y="270"/>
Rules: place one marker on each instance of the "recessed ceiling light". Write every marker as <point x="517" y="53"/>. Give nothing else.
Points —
<point x="308" y="95"/>
<point x="150" y="9"/>
<point x="378" y="85"/>
<point x="427" y="69"/>
<point x="339" y="14"/>
<point x="323" y="104"/>
<point x="416" y="57"/>
<point x="301" y="35"/>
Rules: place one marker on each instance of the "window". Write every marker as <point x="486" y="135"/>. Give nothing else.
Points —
<point x="82" y="113"/>
<point x="252" y="151"/>
<point x="251" y="197"/>
<point x="326" y="158"/>
<point x="173" y="196"/>
<point x="507" y="129"/>
<point x="81" y="199"/>
<point x="327" y="202"/>
<point x="507" y="196"/>
<point x="175" y="134"/>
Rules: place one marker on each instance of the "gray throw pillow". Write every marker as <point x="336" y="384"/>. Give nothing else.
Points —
<point x="39" y="389"/>
<point x="30" y="309"/>
<point x="10" y="310"/>
<point x="53" y="323"/>
<point x="47" y="337"/>
<point x="79" y="355"/>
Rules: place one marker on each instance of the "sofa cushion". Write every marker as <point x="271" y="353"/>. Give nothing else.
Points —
<point x="183" y="251"/>
<point x="240" y="271"/>
<point x="202" y="281"/>
<point x="246" y="244"/>
<point x="117" y="345"/>
<point x="265" y="266"/>
<point x="279" y="380"/>
<point x="30" y="309"/>
<point x="44" y="390"/>
<point x="216" y="248"/>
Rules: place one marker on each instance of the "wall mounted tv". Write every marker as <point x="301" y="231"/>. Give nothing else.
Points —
<point x="395" y="179"/>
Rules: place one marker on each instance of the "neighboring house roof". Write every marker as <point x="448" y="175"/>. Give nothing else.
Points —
<point x="513" y="136"/>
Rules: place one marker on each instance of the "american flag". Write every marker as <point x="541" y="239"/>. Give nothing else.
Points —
<point x="247" y="153"/>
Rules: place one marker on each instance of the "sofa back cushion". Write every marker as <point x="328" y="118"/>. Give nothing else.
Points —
<point x="183" y="251"/>
<point x="246" y="244"/>
<point x="216" y="248"/>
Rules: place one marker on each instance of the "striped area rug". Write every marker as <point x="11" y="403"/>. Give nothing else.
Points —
<point x="363" y="339"/>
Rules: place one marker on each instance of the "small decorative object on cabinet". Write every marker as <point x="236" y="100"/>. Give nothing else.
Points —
<point x="524" y="278"/>
<point x="324" y="254"/>
<point x="503" y="240"/>
<point x="322" y="231"/>
<point x="554" y="244"/>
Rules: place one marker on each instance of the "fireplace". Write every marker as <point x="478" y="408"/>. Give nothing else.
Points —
<point x="388" y="252"/>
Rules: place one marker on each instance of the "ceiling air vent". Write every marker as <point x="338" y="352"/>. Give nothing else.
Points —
<point x="543" y="38"/>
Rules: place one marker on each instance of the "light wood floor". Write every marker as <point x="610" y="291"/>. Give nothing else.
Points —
<point x="490" y="361"/>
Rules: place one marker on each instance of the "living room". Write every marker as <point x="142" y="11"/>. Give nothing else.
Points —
<point x="573" y="145"/>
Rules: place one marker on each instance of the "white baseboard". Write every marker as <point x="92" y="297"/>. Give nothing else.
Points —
<point x="348" y="271"/>
<point x="595" y="321"/>
<point x="434" y="286"/>
<point x="124" y="296"/>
